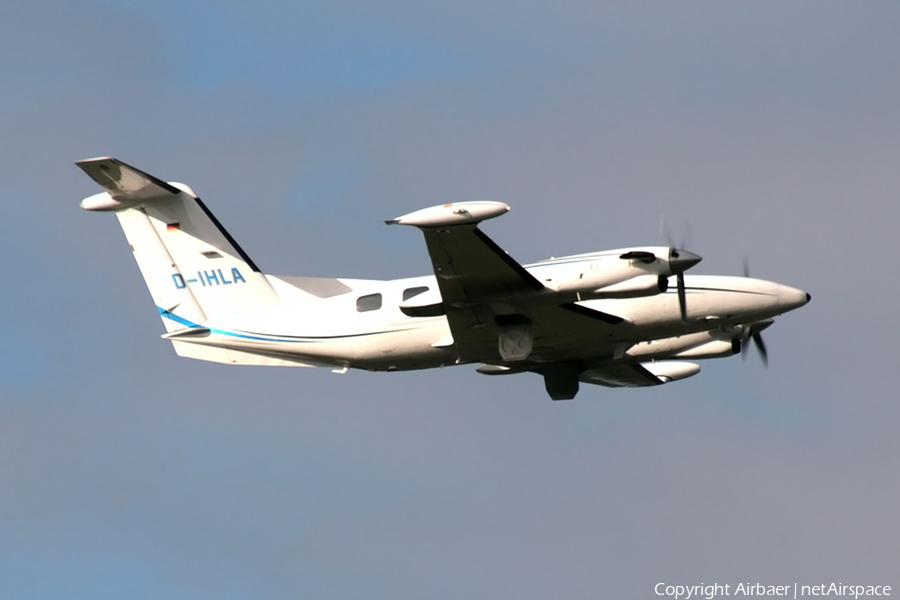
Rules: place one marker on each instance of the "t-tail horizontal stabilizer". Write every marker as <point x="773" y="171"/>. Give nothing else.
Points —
<point x="125" y="186"/>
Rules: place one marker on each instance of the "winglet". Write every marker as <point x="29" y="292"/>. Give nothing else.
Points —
<point x="124" y="185"/>
<point x="458" y="213"/>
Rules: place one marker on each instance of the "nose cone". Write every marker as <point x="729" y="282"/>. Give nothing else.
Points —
<point x="682" y="260"/>
<point x="792" y="298"/>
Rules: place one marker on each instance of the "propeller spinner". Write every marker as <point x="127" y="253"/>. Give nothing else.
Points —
<point x="679" y="262"/>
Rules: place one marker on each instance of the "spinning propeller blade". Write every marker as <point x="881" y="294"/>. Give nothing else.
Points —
<point x="752" y="331"/>
<point x="682" y="297"/>
<point x="761" y="347"/>
<point x="679" y="262"/>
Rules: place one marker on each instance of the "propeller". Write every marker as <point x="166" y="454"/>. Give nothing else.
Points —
<point x="682" y="295"/>
<point x="679" y="262"/>
<point x="752" y="331"/>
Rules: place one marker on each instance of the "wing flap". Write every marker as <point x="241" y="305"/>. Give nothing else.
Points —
<point x="627" y="375"/>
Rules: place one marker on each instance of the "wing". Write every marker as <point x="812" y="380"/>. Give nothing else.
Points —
<point x="620" y="375"/>
<point x="561" y="379"/>
<point x="639" y="374"/>
<point x="472" y="269"/>
<point x="484" y="289"/>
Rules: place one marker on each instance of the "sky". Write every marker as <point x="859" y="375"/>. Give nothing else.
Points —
<point x="760" y="130"/>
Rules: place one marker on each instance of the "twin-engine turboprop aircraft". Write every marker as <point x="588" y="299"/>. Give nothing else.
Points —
<point x="619" y="318"/>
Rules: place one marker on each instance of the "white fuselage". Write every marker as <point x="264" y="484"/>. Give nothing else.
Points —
<point x="364" y="327"/>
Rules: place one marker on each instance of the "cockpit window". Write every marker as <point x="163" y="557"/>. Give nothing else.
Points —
<point x="367" y="303"/>
<point x="413" y="292"/>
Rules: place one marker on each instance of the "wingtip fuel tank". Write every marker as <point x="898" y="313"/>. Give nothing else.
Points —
<point x="457" y="213"/>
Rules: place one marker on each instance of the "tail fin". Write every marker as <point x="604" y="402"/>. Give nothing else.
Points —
<point x="176" y="304"/>
<point x="193" y="267"/>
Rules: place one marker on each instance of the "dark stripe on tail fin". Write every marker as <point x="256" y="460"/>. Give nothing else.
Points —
<point x="227" y="236"/>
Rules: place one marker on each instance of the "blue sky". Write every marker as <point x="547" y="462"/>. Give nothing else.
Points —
<point x="771" y="129"/>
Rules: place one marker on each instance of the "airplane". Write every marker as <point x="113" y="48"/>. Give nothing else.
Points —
<point x="617" y="318"/>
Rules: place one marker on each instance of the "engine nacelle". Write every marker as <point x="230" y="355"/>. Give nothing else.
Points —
<point x="627" y="273"/>
<point x="586" y="278"/>
<point x="636" y="287"/>
<point x="668" y="347"/>
<point x="717" y="343"/>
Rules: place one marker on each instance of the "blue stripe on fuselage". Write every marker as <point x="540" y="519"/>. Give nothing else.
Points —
<point x="291" y="340"/>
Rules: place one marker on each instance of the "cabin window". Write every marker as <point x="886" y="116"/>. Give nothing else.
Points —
<point x="367" y="303"/>
<point x="413" y="292"/>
